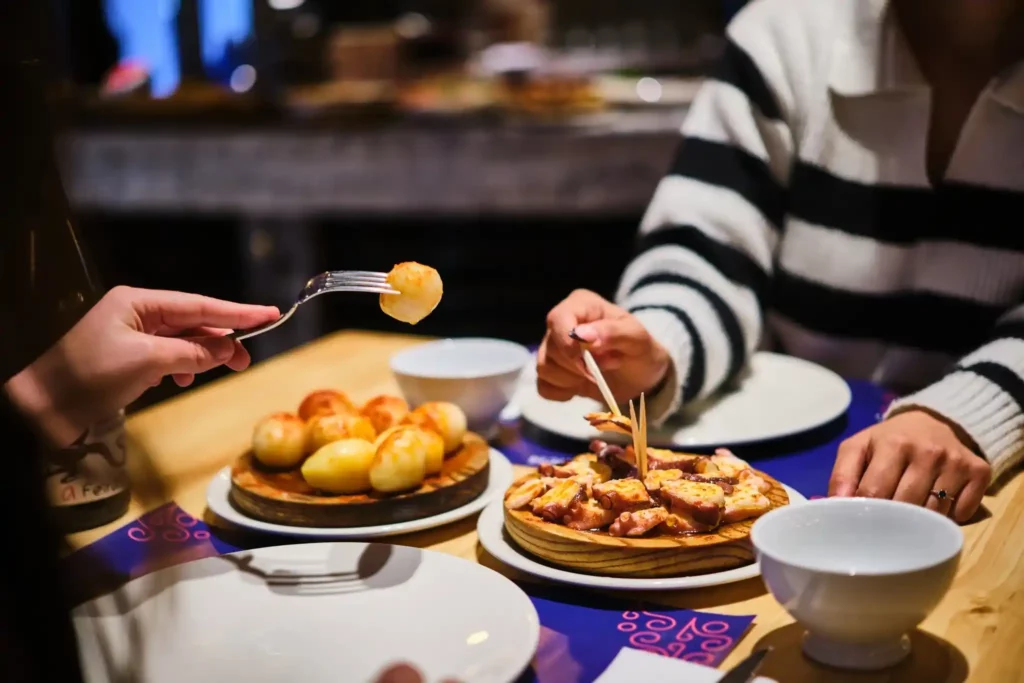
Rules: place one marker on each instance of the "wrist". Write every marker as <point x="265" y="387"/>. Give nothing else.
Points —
<point x="662" y="365"/>
<point x="962" y="436"/>
<point x="32" y="392"/>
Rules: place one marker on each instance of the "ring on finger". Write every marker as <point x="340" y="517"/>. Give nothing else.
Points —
<point x="941" y="495"/>
<point x="944" y="500"/>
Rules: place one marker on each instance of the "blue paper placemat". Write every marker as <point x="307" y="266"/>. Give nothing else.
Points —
<point x="581" y="633"/>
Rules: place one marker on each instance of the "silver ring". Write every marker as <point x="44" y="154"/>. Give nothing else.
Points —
<point x="941" y="494"/>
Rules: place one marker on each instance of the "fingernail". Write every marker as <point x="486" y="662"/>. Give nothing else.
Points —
<point x="585" y="333"/>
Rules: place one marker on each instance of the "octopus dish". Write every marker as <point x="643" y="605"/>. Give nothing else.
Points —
<point x="641" y="512"/>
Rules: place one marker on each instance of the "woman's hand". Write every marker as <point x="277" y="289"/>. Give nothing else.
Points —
<point x="907" y="457"/>
<point x="128" y="342"/>
<point x="630" y="359"/>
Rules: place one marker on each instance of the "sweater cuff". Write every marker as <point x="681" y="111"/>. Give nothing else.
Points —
<point x="666" y="329"/>
<point x="985" y="412"/>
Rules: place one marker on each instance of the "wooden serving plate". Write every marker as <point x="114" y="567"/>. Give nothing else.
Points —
<point x="284" y="497"/>
<point x="597" y="552"/>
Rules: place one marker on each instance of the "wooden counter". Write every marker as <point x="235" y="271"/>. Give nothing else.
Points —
<point x="973" y="634"/>
<point x="586" y="167"/>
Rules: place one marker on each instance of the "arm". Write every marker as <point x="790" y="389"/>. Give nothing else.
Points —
<point x="707" y="241"/>
<point x="982" y="398"/>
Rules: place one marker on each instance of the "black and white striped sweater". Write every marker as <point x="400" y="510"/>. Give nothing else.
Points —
<point x="798" y="215"/>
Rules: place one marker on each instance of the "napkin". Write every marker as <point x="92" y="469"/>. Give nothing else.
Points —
<point x="630" y="666"/>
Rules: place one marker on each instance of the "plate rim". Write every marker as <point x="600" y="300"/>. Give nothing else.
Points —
<point x="222" y="480"/>
<point x="731" y="443"/>
<point x="521" y="662"/>
<point x="526" y="564"/>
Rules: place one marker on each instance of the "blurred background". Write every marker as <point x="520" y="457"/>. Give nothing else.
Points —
<point x="237" y="147"/>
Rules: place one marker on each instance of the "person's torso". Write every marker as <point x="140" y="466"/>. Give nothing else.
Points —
<point x="879" y="274"/>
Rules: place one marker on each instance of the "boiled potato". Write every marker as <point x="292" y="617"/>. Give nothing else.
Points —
<point x="385" y="411"/>
<point x="447" y="419"/>
<point x="434" y="446"/>
<point x="325" y="402"/>
<point x="324" y="429"/>
<point x="420" y="291"/>
<point x="340" y="467"/>
<point x="279" y="440"/>
<point x="400" y="463"/>
<point x="386" y="433"/>
<point x="430" y="440"/>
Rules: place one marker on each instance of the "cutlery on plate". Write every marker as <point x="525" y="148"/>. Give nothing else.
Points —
<point x="747" y="669"/>
<point x="326" y="283"/>
<point x="595" y="372"/>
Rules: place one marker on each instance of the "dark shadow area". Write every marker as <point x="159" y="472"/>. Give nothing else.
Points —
<point x="379" y="566"/>
<point x="501" y="276"/>
<point x="981" y="515"/>
<point x="1007" y="477"/>
<point x="931" y="659"/>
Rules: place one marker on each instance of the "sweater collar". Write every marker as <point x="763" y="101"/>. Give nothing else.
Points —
<point x="871" y="57"/>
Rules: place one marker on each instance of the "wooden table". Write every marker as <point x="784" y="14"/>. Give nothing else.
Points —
<point x="177" y="446"/>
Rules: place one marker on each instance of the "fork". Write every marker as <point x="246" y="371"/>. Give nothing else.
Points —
<point x="326" y="283"/>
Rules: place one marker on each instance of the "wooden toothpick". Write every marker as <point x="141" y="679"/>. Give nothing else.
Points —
<point x="595" y="372"/>
<point x="639" y="454"/>
<point x="642" y="457"/>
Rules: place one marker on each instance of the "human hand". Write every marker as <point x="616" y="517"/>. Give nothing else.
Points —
<point x="906" y="458"/>
<point x="128" y="342"/>
<point x="630" y="359"/>
<point x="404" y="673"/>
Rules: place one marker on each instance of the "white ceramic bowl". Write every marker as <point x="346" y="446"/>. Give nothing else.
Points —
<point x="478" y="375"/>
<point x="857" y="573"/>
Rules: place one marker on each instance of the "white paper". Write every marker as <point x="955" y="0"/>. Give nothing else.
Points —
<point x="632" y="665"/>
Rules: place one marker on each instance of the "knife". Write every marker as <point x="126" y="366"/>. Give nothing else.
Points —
<point x="745" y="670"/>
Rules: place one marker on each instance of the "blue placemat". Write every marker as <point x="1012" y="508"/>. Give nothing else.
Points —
<point x="581" y="633"/>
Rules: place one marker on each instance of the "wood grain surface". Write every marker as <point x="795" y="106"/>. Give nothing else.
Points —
<point x="284" y="497"/>
<point x="974" y="634"/>
<point x="656" y="556"/>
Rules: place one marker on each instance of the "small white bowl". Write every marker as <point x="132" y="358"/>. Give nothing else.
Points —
<point x="478" y="375"/>
<point x="857" y="573"/>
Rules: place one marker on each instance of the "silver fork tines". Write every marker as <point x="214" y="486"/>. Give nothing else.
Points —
<point x="364" y="281"/>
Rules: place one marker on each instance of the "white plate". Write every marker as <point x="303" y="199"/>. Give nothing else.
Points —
<point x="491" y="530"/>
<point x="779" y="396"/>
<point x="219" y="502"/>
<point x="317" y="613"/>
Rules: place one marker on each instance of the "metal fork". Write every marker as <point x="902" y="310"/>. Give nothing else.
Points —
<point x="326" y="283"/>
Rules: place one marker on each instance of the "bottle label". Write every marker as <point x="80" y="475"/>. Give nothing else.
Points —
<point x="91" y="469"/>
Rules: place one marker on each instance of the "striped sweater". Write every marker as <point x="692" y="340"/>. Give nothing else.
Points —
<point x="798" y="216"/>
